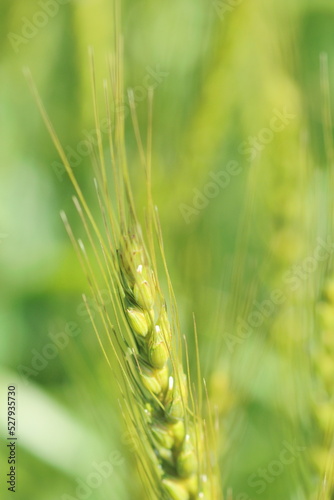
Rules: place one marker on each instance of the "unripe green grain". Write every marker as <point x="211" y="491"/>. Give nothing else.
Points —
<point x="150" y="382"/>
<point x="143" y="294"/>
<point x="176" y="489"/>
<point x="178" y="430"/>
<point x="138" y="321"/>
<point x="187" y="460"/>
<point x="163" y="437"/>
<point x="157" y="350"/>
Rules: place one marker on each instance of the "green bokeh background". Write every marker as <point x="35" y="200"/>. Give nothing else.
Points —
<point x="226" y="69"/>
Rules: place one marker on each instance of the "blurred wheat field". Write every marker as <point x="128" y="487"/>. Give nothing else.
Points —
<point x="242" y="163"/>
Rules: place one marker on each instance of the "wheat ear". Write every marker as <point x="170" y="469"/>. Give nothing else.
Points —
<point x="144" y="347"/>
<point x="158" y="374"/>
